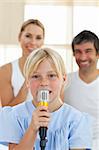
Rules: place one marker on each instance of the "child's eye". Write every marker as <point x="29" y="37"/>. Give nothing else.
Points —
<point x="52" y="76"/>
<point x="35" y="76"/>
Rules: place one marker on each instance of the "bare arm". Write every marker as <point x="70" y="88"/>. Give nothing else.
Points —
<point x="6" y="93"/>
<point x="0" y="102"/>
<point x="21" y="96"/>
<point x="6" y="89"/>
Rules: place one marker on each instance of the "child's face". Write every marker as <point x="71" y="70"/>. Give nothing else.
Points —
<point x="45" y="77"/>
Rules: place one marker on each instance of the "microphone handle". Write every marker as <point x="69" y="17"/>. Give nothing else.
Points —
<point x="43" y="132"/>
<point x="43" y="137"/>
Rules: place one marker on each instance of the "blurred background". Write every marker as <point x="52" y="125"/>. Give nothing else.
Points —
<point x="63" y="19"/>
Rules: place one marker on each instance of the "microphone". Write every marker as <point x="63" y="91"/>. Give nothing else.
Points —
<point x="43" y="101"/>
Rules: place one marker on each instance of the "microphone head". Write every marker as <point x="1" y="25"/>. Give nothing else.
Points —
<point x="43" y="97"/>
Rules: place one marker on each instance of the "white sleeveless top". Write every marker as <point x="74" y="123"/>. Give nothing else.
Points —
<point x="17" y="79"/>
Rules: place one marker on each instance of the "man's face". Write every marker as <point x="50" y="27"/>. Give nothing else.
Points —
<point x="86" y="56"/>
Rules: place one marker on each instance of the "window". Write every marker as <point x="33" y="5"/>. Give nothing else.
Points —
<point x="61" y="23"/>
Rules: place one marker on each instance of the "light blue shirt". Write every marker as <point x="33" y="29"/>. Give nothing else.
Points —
<point x="68" y="128"/>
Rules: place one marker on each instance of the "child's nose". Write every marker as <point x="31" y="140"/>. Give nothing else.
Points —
<point x="44" y="82"/>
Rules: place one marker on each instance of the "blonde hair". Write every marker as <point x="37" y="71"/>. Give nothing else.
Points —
<point x="38" y="56"/>
<point x="34" y="22"/>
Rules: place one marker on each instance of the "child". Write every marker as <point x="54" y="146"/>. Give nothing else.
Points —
<point x="68" y="129"/>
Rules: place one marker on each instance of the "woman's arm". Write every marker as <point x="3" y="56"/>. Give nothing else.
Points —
<point x="6" y="92"/>
<point x="0" y="102"/>
<point x="6" y="89"/>
<point x="21" y="96"/>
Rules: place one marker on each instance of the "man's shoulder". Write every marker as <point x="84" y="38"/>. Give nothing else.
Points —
<point x="72" y="75"/>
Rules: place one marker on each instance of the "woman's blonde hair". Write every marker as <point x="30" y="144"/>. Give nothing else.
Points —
<point x="34" y="22"/>
<point x="38" y="56"/>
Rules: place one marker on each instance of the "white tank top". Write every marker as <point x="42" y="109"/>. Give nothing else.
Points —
<point x="18" y="79"/>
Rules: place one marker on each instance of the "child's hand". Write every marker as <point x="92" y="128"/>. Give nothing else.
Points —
<point x="40" y="118"/>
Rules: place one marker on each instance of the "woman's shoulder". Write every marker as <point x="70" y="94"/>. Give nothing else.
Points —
<point x="5" y="70"/>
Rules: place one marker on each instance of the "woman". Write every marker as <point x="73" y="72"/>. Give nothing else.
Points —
<point x="13" y="89"/>
<point x="67" y="128"/>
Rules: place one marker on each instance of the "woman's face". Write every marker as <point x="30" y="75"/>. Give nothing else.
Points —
<point x="31" y="38"/>
<point x="45" y="77"/>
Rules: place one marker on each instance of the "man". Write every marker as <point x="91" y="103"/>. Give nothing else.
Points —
<point x="82" y="91"/>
